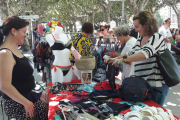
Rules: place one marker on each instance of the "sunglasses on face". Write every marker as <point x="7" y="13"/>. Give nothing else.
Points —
<point x="102" y="30"/>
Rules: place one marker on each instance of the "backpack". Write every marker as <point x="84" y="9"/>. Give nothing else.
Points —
<point x="134" y="89"/>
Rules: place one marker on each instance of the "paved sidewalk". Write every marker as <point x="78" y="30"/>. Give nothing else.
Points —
<point x="172" y="102"/>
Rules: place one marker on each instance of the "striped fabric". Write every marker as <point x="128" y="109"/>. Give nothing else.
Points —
<point x="148" y="68"/>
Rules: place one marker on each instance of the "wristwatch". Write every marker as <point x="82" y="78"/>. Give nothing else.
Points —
<point x="125" y="58"/>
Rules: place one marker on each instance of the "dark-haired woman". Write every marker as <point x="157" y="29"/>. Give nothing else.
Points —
<point x="81" y="41"/>
<point x="16" y="73"/>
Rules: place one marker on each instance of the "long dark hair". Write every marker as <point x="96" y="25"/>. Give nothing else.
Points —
<point x="9" y="23"/>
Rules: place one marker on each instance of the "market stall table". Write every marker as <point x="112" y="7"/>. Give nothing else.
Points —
<point x="54" y="102"/>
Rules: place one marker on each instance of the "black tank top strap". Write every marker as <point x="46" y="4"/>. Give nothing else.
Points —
<point x="11" y="52"/>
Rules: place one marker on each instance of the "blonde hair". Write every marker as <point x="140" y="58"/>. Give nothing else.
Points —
<point x="147" y="18"/>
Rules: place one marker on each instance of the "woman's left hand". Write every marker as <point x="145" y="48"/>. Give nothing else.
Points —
<point x="115" y="63"/>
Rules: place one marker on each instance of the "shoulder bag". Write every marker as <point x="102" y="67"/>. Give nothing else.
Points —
<point x="168" y="68"/>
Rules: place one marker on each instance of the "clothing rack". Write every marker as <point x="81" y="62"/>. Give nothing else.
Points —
<point x="91" y="37"/>
<point x="103" y="37"/>
<point x="72" y="32"/>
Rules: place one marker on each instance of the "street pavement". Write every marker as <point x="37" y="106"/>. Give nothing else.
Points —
<point x="172" y="102"/>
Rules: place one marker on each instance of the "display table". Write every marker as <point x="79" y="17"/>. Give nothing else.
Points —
<point x="54" y="102"/>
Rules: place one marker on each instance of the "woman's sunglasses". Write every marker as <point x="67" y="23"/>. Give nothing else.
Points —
<point x="101" y="29"/>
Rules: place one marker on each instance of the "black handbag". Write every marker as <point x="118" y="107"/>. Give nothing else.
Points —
<point x="168" y="68"/>
<point x="110" y="75"/>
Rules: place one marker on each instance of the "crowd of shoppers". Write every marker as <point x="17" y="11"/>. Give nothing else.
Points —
<point x="137" y="56"/>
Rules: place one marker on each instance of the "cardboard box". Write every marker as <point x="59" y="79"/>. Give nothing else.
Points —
<point x="86" y="76"/>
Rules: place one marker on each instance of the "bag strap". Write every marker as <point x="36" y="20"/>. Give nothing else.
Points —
<point x="164" y="48"/>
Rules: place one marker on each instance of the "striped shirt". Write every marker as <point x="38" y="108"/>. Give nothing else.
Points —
<point x="148" y="68"/>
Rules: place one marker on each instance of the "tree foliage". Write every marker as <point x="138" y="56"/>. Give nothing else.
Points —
<point x="94" y="11"/>
<point x="173" y="4"/>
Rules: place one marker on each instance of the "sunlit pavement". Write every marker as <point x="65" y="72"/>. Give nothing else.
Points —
<point x="172" y="102"/>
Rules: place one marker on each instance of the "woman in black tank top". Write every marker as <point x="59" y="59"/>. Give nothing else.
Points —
<point x="16" y="73"/>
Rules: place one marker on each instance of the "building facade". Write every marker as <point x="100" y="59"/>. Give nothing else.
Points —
<point x="168" y="12"/>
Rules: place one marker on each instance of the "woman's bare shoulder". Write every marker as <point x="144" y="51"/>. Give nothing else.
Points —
<point x="5" y="54"/>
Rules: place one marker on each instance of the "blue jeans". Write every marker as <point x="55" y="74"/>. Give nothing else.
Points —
<point x="158" y="97"/>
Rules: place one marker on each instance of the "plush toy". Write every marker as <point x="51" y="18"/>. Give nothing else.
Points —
<point x="40" y="28"/>
<point x="47" y="28"/>
<point x="59" y="24"/>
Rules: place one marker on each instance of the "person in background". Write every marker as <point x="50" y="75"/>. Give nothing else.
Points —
<point x="35" y="35"/>
<point x="165" y="32"/>
<point x="44" y="32"/>
<point x="172" y="33"/>
<point x="122" y="33"/>
<point x="16" y="74"/>
<point x="143" y="54"/>
<point x="104" y="28"/>
<point x="93" y="39"/>
<point x="81" y="41"/>
<point x="98" y="34"/>
<point x="176" y="33"/>
<point x="113" y="40"/>
<point x="134" y="34"/>
<point x="176" y="46"/>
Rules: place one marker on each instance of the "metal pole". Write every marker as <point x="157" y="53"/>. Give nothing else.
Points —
<point x="122" y="12"/>
<point x="32" y="35"/>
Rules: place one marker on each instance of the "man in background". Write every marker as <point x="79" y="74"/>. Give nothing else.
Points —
<point x="35" y="35"/>
<point x="166" y="33"/>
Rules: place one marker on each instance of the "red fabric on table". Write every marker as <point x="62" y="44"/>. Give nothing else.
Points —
<point x="73" y="82"/>
<point x="54" y="102"/>
<point x="104" y="85"/>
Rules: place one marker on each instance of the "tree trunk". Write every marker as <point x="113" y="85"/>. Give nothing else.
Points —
<point x="71" y="27"/>
<point x="8" y="8"/>
<point x="93" y="14"/>
<point x="107" y="14"/>
<point x="74" y="23"/>
<point x="25" y="46"/>
<point x="91" y="17"/>
<point x="1" y="19"/>
<point x="178" y="20"/>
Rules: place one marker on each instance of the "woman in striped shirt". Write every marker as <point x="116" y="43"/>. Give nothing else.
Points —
<point x="143" y="54"/>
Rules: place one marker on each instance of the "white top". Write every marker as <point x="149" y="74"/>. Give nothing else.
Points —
<point x="128" y="70"/>
<point x="148" y="68"/>
<point x="166" y="33"/>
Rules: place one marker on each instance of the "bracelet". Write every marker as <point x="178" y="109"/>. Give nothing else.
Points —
<point x="125" y="60"/>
